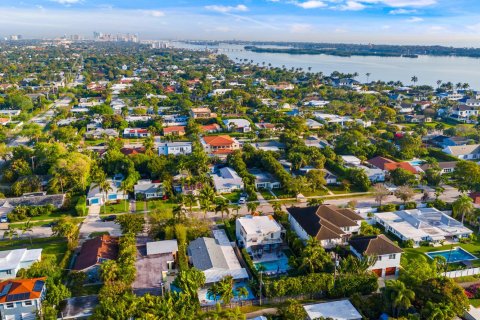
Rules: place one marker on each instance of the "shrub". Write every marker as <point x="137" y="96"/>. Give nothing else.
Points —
<point x="387" y="207"/>
<point x="348" y="284"/>
<point x="81" y="206"/>
<point x="408" y="243"/>
<point x="410" y="205"/>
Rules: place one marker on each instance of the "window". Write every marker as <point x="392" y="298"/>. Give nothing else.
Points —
<point x="27" y="303"/>
<point x="392" y="256"/>
<point x="379" y="258"/>
<point x="8" y="271"/>
<point x="10" y="305"/>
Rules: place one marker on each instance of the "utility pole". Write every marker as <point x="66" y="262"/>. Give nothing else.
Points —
<point x="261" y="272"/>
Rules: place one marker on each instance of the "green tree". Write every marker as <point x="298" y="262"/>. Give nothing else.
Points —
<point x="131" y="223"/>
<point x="404" y="193"/>
<point x="399" y="296"/>
<point x="189" y="281"/>
<point x="463" y="207"/>
<point x="67" y="228"/>
<point x="314" y="258"/>
<point x="467" y="175"/>
<point x="252" y="206"/>
<point x="292" y="310"/>
<point x="402" y="177"/>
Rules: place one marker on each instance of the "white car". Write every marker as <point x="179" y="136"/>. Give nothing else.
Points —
<point x="242" y="200"/>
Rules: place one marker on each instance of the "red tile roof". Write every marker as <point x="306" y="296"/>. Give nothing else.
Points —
<point x="403" y="165"/>
<point x="211" y="127"/>
<point x="102" y="247"/>
<point x="216" y="141"/>
<point x="173" y="129"/>
<point x="21" y="289"/>
<point x="380" y="162"/>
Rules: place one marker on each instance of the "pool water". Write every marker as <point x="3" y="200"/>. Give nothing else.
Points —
<point x="452" y="256"/>
<point x="417" y="163"/>
<point x="275" y="266"/>
<point x="209" y="297"/>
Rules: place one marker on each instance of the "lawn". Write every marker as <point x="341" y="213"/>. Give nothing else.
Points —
<point x="475" y="302"/>
<point x="282" y="194"/>
<point x="50" y="246"/>
<point x="140" y="206"/>
<point x="320" y="192"/>
<point x="266" y="194"/>
<point x="233" y="197"/>
<point x="160" y="205"/>
<point x="113" y="208"/>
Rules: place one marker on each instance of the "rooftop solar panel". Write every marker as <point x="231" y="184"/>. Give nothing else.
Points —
<point x="38" y="286"/>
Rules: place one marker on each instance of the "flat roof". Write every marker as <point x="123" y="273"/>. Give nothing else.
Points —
<point x="259" y="224"/>
<point x="337" y="310"/>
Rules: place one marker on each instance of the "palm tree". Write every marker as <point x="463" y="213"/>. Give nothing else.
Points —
<point x="277" y="206"/>
<point x="235" y="207"/>
<point x="438" y="311"/>
<point x="125" y="188"/>
<point x="398" y="295"/>
<point x="190" y="200"/>
<point x="314" y="257"/>
<point x="225" y="289"/>
<point x="104" y="186"/>
<point x="368" y="74"/>
<point x="414" y="80"/>
<point x="463" y="206"/>
<point x="206" y="197"/>
<point x="439" y="82"/>
<point x="242" y="293"/>
<point x="27" y="227"/>
<point x="315" y="202"/>
<point x="221" y="206"/>
<point x="10" y="233"/>
<point x="252" y="206"/>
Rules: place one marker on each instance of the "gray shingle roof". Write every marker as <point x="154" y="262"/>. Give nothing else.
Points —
<point x="206" y="254"/>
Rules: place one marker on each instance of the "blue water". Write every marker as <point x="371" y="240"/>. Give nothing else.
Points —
<point x="455" y="255"/>
<point x="277" y="266"/>
<point x="209" y="297"/>
<point x="417" y="162"/>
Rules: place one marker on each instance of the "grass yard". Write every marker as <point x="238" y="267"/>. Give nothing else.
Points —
<point x="139" y="206"/>
<point x="282" y="194"/>
<point x="50" y="246"/>
<point x="165" y="205"/>
<point x="233" y="197"/>
<point x="266" y="194"/>
<point x="113" y="208"/>
<point x="320" y="192"/>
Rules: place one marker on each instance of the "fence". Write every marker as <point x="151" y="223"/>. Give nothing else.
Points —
<point x="462" y="273"/>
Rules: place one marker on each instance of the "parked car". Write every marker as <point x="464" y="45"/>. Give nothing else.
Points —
<point x="3" y="219"/>
<point x="110" y="218"/>
<point x="242" y="200"/>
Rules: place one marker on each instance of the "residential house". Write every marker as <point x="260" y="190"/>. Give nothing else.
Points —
<point x="388" y="165"/>
<point x="168" y="249"/>
<point x="218" y="145"/>
<point x="313" y="125"/>
<point x="280" y="86"/>
<point x="96" y="196"/>
<point x="330" y="178"/>
<point x="335" y="310"/>
<point x="36" y="199"/>
<point x="11" y="261"/>
<point x="239" y="125"/>
<point x="327" y="223"/>
<point x="174" y="120"/>
<point x="259" y="234"/>
<point x="21" y="299"/>
<point x="373" y="174"/>
<point x="465" y="152"/>
<point x="227" y="180"/>
<point x="174" y="131"/>
<point x="100" y="133"/>
<point x="423" y="224"/>
<point x="313" y="141"/>
<point x="445" y="167"/>
<point x="202" y="113"/>
<point x="267" y="126"/>
<point x="346" y="82"/>
<point x="94" y="252"/>
<point x="316" y="103"/>
<point x="174" y="148"/>
<point x="351" y="161"/>
<point x="270" y="145"/>
<point x="218" y="92"/>
<point x="10" y="112"/>
<point x="464" y="113"/>
<point x="445" y="141"/>
<point x="264" y="180"/>
<point x="211" y="128"/>
<point x="340" y="120"/>
<point x="216" y="258"/>
<point x="386" y="253"/>
<point x="135" y="133"/>
<point x="147" y="189"/>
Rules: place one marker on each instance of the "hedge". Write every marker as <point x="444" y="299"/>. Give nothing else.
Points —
<point x="81" y="206"/>
<point x="348" y="284"/>
<point x="313" y="283"/>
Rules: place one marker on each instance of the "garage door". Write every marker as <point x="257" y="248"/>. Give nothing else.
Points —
<point x="378" y="272"/>
<point x="390" y="271"/>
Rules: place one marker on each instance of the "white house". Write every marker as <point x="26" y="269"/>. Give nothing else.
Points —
<point x="265" y="180"/>
<point x="464" y="152"/>
<point x="336" y="310"/>
<point x="374" y="174"/>
<point x="11" y="261"/>
<point x="386" y="252"/>
<point x="240" y="125"/>
<point x="174" y="148"/>
<point x="258" y="234"/>
<point x="218" y="92"/>
<point x="340" y="120"/>
<point x="227" y="180"/>
<point x="351" y="161"/>
<point x="423" y="224"/>
<point x="146" y="189"/>
<point x="96" y="196"/>
<point x="135" y="133"/>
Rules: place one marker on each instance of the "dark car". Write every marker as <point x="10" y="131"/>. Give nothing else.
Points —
<point x="110" y="218"/>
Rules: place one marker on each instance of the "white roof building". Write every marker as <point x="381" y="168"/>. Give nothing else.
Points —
<point x="351" y="160"/>
<point x="423" y="224"/>
<point x="162" y="247"/>
<point x="336" y="310"/>
<point x="11" y="261"/>
<point x="227" y="180"/>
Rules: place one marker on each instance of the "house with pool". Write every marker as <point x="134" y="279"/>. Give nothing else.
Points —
<point x="216" y="258"/>
<point x="386" y="252"/>
<point x="97" y="196"/>
<point x="422" y="224"/>
<point x="328" y="224"/>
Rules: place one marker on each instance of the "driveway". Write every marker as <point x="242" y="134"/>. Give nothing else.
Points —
<point x="93" y="224"/>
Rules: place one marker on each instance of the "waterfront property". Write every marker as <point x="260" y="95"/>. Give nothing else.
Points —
<point x="387" y="253"/>
<point x="21" y="299"/>
<point x="327" y="223"/>
<point x="423" y="224"/>
<point x="11" y="261"/>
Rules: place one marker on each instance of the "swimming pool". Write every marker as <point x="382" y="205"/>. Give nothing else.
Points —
<point x="416" y="162"/>
<point x="455" y="255"/>
<point x="275" y="266"/>
<point x="209" y="298"/>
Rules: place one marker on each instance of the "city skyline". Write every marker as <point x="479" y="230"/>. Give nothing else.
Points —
<point x="355" y="21"/>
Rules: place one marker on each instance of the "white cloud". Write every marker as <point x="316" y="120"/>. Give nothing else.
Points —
<point x="311" y="4"/>
<point x="352" y="6"/>
<point x="300" y="27"/>
<point x="414" y="19"/>
<point x="403" y="3"/>
<point x="225" y="9"/>
<point x="67" y="2"/>
<point x="402" y="11"/>
<point x="154" y="13"/>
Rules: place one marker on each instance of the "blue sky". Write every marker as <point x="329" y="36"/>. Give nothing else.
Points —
<point x="455" y="22"/>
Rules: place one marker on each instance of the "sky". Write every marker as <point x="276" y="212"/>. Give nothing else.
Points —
<point x="445" y="22"/>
